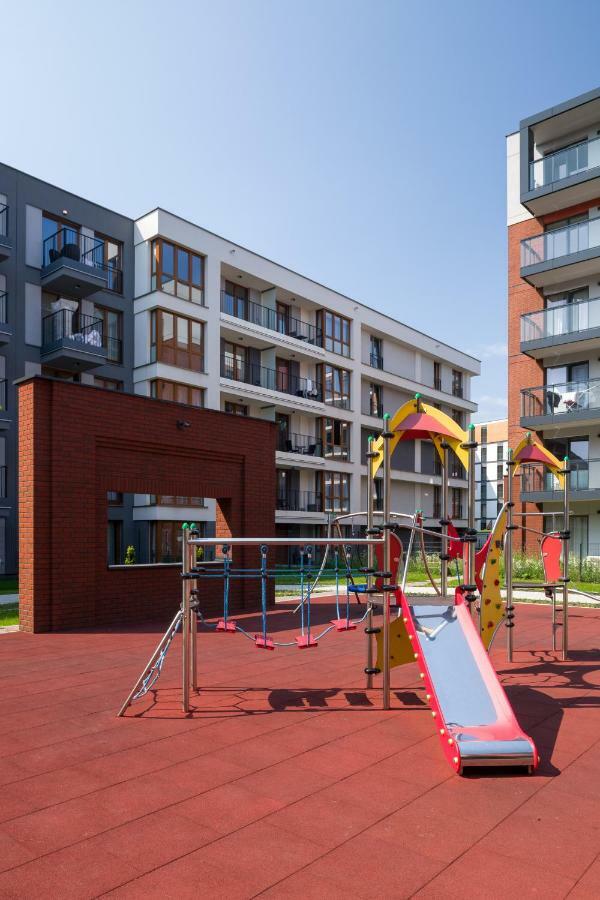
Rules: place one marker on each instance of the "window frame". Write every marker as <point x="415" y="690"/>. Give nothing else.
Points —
<point x="102" y="313"/>
<point x="342" y="445"/>
<point x="157" y="344"/>
<point x="159" y="384"/>
<point x="329" y="341"/>
<point x="340" y="492"/>
<point x="340" y="399"/>
<point x="157" y="272"/>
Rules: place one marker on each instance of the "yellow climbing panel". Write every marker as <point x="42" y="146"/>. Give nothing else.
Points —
<point x="401" y="650"/>
<point x="492" y="607"/>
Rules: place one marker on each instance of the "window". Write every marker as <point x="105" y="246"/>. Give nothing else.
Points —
<point x="378" y="494"/>
<point x="180" y="393"/>
<point x="484" y="454"/>
<point x="456" y="503"/>
<point x="376" y="352"/>
<point x="233" y="361"/>
<point x="177" y="341"/>
<point x="483" y="435"/>
<point x="337" y="492"/>
<point x="336" y="439"/>
<point x="437" y="376"/>
<point x="335" y="330"/>
<point x="164" y="500"/>
<point x="500" y="472"/>
<point x="112" y="330"/>
<point x="114" y="539"/>
<point x="236" y="409"/>
<point x="109" y="255"/>
<point x="114" y="498"/>
<point x="500" y="490"/>
<point x="437" y="501"/>
<point x="458" y="417"/>
<point x="376" y="400"/>
<point x="109" y="384"/>
<point x="457" y="383"/>
<point x="177" y="271"/>
<point x="484" y="473"/>
<point x="483" y="491"/>
<point x="500" y="452"/>
<point x="235" y="300"/>
<point x="336" y="386"/>
<point x="60" y="238"/>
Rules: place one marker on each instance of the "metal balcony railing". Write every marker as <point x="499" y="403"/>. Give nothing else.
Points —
<point x="584" y="476"/>
<point x="269" y="318"/>
<point x="561" y="242"/>
<point x="3" y="307"/>
<point x="376" y="360"/>
<point x="560" y="399"/>
<point x="555" y="321"/>
<point x="300" y="501"/>
<point x="561" y="164"/>
<point x="270" y="379"/>
<point x="291" y="442"/>
<point x="85" y="332"/>
<point x="3" y="220"/>
<point x="68" y="244"/>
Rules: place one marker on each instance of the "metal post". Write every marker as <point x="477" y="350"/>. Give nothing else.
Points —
<point x="387" y="435"/>
<point x="193" y="624"/>
<point x="444" y="524"/>
<point x="370" y="559"/>
<point x="508" y="558"/>
<point x="565" y="550"/>
<point x="185" y="625"/>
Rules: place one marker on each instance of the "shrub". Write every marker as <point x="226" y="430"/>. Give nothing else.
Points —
<point x="130" y="556"/>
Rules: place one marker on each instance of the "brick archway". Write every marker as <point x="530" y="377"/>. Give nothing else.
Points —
<point x="78" y="442"/>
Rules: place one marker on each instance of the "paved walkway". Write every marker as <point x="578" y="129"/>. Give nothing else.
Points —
<point x="287" y="780"/>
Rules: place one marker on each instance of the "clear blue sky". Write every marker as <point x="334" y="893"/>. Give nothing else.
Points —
<point x="361" y="143"/>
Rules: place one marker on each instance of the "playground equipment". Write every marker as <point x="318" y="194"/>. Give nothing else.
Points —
<point x="447" y="636"/>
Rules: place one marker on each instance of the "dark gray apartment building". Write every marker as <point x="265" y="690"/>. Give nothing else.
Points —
<point x="66" y="307"/>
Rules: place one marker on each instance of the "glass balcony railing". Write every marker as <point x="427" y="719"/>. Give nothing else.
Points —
<point x="290" y="442"/>
<point x="561" y="164"/>
<point x="269" y="318"/>
<point x="561" y="242"/>
<point x="558" y="400"/>
<point x="69" y="244"/>
<point x="270" y="379"/>
<point x="300" y="501"/>
<point x="584" y="476"/>
<point x="561" y="320"/>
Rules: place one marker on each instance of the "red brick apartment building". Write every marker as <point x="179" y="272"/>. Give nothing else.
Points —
<point x="553" y="167"/>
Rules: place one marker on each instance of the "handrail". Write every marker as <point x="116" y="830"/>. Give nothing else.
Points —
<point x="73" y="326"/>
<point x="560" y="399"/>
<point x="558" y="242"/>
<point x="270" y="379"/>
<point x="270" y="318"/>
<point x="559" y="319"/>
<point x="68" y="243"/>
<point x="535" y="478"/>
<point x="291" y="442"/>
<point x="573" y="159"/>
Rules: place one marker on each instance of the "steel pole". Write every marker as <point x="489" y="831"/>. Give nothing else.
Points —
<point x="444" y="525"/>
<point x="387" y="435"/>
<point x="565" y="548"/>
<point x="185" y="624"/>
<point x="370" y="559"/>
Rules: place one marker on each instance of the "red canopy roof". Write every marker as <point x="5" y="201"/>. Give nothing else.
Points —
<point x="422" y="425"/>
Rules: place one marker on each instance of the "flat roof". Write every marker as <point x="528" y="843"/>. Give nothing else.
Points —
<point x="567" y="105"/>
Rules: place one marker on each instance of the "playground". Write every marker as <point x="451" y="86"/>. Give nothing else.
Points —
<point x="312" y="746"/>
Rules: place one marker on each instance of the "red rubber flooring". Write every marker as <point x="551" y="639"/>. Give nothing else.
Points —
<point x="287" y="779"/>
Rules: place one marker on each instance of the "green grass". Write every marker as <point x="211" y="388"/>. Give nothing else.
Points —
<point x="9" y="614"/>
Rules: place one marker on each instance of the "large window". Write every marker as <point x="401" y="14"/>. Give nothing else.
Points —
<point x="112" y="322"/>
<point x="336" y="439"/>
<point x="177" y="341"/>
<point x="236" y="409"/>
<point x="109" y="254"/>
<point x="109" y="384"/>
<point x="235" y="300"/>
<point x="336" y="386"/>
<point x="180" y="393"/>
<point x="177" y="271"/>
<point x="437" y="376"/>
<point x="335" y="330"/>
<point x="457" y="510"/>
<point x="457" y="383"/>
<point x="336" y="491"/>
<point x="376" y="400"/>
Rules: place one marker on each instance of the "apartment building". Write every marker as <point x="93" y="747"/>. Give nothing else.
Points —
<point x="553" y="165"/>
<point x="165" y="308"/>
<point x="490" y="469"/>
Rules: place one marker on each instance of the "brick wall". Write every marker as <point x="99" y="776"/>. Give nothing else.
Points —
<point x="76" y="443"/>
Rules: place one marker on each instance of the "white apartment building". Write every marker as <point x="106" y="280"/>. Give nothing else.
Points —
<point x="220" y="326"/>
<point x="490" y="469"/>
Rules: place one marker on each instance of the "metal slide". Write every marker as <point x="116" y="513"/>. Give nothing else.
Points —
<point x="476" y="723"/>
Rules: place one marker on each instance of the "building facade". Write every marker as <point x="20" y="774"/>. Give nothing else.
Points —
<point x="164" y="308"/>
<point x="553" y="165"/>
<point x="490" y="469"/>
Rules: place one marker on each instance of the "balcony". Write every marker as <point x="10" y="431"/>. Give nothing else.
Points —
<point x="571" y="403"/>
<point x="563" y="254"/>
<point x="5" y="247"/>
<point x="72" y="341"/>
<point x="564" y="178"/>
<point x="300" y="501"/>
<point x="5" y="331"/>
<point x="73" y="264"/>
<point x="539" y="486"/>
<point x="559" y="327"/>
<point x="306" y="444"/>
<point x="271" y="319"/>
<point x="376" y="360"/>
<point x="271" y="379"/>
